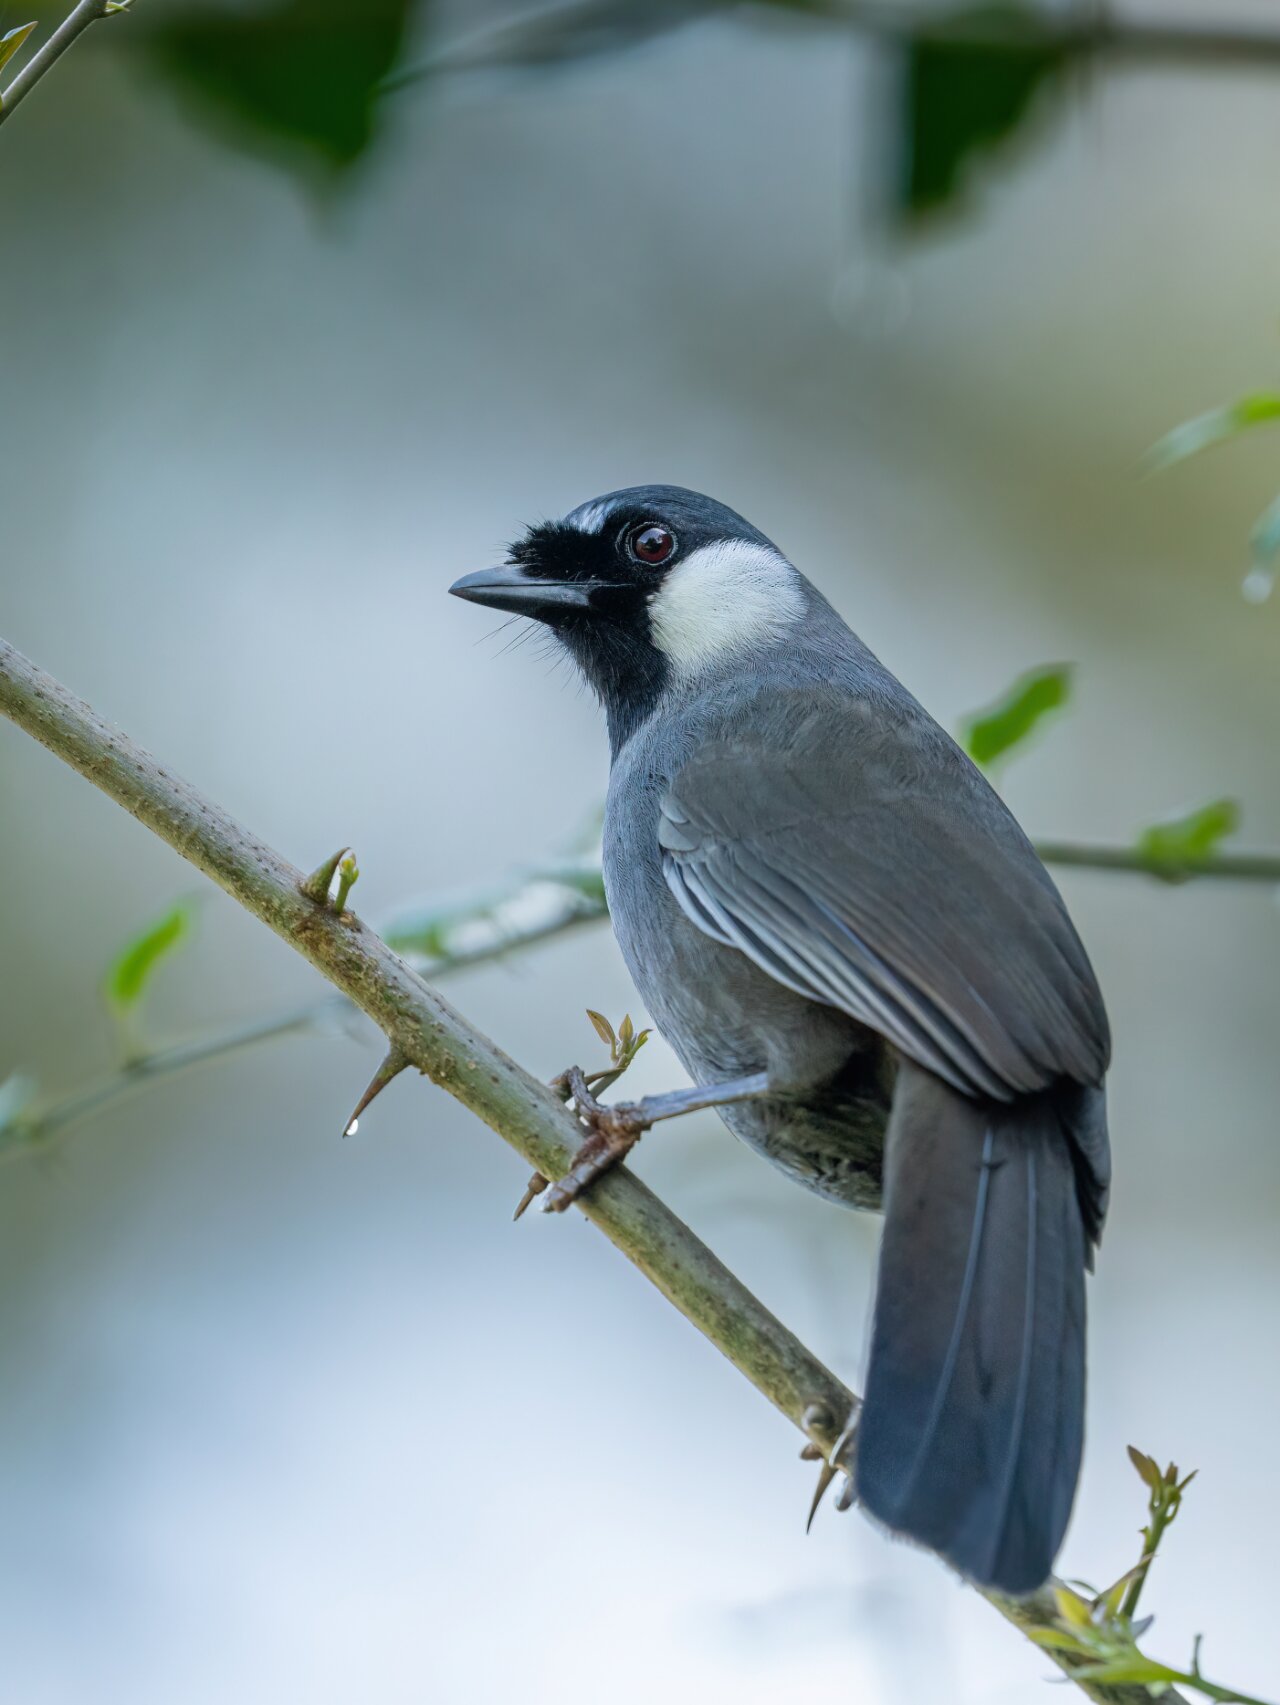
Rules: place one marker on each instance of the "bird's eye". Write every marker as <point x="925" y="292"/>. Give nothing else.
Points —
<point x="651" y="544"/>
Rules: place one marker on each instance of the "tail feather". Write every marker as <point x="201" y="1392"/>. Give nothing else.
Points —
<point x="972" y="1429"/>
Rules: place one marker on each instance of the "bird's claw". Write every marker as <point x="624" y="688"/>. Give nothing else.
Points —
<point x="837" y="1463"/>
<point x="612" y="1132"/>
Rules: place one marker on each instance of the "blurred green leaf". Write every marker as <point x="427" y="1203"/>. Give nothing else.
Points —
<point x="132" y="970"/>
<point x="297" y="79"/>
<point x="1131" y="1668"/>
<point x="17" y="1092"/>
<point x="1073" y="1609"/>
<point x="1264" y="542"/>
<point x="1058" y="1640"/>
<point x="961" y="97"/>
<point x="11" y="41"/>
<point x="1182" y="840"/>
<point x="1214" y="427"/>
<point x="990" y="733"/>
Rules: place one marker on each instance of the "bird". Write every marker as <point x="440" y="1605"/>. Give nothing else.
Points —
<point x="829" y="911"/>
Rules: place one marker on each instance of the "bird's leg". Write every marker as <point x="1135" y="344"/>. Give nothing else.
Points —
<point x="614" y="1131"/>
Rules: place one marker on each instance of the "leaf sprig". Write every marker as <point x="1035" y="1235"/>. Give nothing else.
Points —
<point x="1099" y="1631"/>
<point x="623" y="1046"/>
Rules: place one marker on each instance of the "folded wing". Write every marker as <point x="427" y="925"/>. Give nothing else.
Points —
<point x="875" y="871"/>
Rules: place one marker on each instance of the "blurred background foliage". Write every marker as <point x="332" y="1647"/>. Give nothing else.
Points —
<point x="310" y="307"/>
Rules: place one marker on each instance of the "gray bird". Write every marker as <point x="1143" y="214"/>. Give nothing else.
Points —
<point x="815" y="890"/>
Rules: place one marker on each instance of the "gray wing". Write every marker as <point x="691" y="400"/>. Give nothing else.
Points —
<point x="875" y="871"/>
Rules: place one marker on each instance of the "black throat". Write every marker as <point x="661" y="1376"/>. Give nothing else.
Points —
<point x="622" y="666"/>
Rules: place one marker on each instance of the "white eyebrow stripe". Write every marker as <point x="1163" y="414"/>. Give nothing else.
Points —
<point x="724" y="597"/>
<point x="588" y="517"/>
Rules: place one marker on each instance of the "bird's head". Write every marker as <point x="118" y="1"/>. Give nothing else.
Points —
<point x="647" y="588"/>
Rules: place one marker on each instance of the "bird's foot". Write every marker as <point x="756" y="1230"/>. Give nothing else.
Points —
<point x="614" y="1131"/>
<point x="837" y="1463"/>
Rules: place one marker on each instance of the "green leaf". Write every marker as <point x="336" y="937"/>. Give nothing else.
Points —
<point x="990" y="733"/>
<point x="1264" y="544"/>
<point x="1183" y="840"/>
<point x="602" y="1027"/>
<point x="297" y="80"/>
<point x="1059" y="1640"/>
<point x="1075" y="1611"/>
<point x="960" y="97"/>
<point x="1145" y="1466"/>
<point x="1130" y="1668"/>
<point x="133" y="968"/>
<point x="1214" y="427"/>
<point x="1106" y="1605"/>
<point x="11" y="41"/>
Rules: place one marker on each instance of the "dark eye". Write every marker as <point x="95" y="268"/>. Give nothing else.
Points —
<point x="651" y="544"/>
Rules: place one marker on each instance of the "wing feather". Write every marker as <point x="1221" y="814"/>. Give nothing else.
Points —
<point x="887" y="880"/>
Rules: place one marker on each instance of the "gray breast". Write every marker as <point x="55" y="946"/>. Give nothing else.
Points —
<point x="724" y="1017"/>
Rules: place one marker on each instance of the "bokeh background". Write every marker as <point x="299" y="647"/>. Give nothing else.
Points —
<point x="290" y="1418"/>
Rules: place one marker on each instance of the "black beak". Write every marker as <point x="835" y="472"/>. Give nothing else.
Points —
<point x="514" y="588"/>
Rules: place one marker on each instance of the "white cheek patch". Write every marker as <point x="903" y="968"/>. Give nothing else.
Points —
<point x="722" y="598"/>
<point x="588" y="517"/>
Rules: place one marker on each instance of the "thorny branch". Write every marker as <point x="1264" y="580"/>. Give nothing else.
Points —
<point x="421" y="1025"/>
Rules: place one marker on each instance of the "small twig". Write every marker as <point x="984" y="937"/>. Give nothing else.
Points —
<point x="41" y="1124"/>
<point x="1219" y="866"/>
<point x="68" y="31"/>
<point x="317" y="886"/>
<point x="348" y="876"/>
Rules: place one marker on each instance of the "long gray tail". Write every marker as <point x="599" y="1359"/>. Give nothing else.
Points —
<point x="971" y="1434"/>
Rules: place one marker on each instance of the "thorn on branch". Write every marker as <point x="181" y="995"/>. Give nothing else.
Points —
<point x="321" y="880"/>
<point x="537" y="1184"/>
<point x="390" y="1068"/>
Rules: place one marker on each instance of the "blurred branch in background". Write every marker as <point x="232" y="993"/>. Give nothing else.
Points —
<point x="968" y="76"/>
<point x="436" y="939"/>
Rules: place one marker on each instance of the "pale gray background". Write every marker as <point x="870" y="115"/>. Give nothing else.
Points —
<point x="288" y="1418"/>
